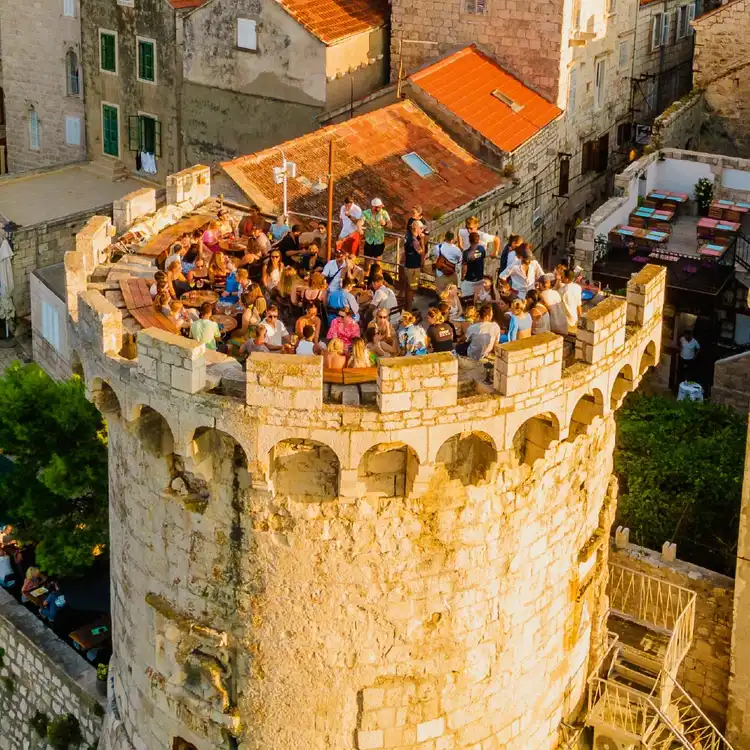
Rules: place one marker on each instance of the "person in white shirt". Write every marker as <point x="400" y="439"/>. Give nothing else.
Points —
<point x="571" y="298"/>
<point x="276" y="332"/>
<point x="451" y="254"/>
<point x="350" y="215"/>
<point x="306" y="345"/>
<point x="490" y="242"/>
<point x="482" y="336"/>
<point x="689" y="349"/>
<point x="558" y="320"/>
<point x="523" y="273"/>
<point x="177" y="252"/>
<point x="383" y="296"/>
<point x="335" y="270"/>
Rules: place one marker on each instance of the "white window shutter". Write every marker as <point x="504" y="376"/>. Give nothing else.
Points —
<point x="73" y="131"/>
<point x="247" y="35"/>
<point x="50" y="325"/>
<point x="665" y="29"/>
<point x="656" y="31"/>
<point x="34" y="130"/>
<point x="690" y="17"/>
<point x="69" y="8"/>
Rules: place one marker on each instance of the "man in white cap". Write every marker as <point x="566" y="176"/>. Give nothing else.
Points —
<point x="375" y="221"/>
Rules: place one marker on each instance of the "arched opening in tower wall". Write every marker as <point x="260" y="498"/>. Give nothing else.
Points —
<point x="105" y="399"/>
<point x="648" y="359"/>
<point x="622" y="386"/>
<point x="304" y="467"/>
<point x="468" y="456"/>
<point x="587" y="409"/>
<point x="534" y="436"/>
<point x="388" y="469"/>
<point x="154" y="433"/>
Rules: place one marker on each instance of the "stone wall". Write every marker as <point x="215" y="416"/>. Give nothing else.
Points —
<point x="39" y="672"/>
<point x="731" y="384"/>
<point x="704" y="673"/>
<point x="35" y="37"/>
<point x="722" y="60"/>
<point x="53" y="356"/>
<point x="679" y="125"/>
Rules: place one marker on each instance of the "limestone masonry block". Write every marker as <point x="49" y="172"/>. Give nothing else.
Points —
<point x="193" y="184"/>
<point x="128" y="209"/>
<point x="406" y="383"/>
<point x="93" y="240"/>
<point x="645" y="294"/>
<point x="101" y="320"/>
<point x="523" y="365"/>
<point x="75" y="280"/>
<point x="173" y="360"/>
<point x="286" y="381"/>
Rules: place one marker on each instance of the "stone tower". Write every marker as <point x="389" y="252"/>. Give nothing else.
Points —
<point x="426" y="572"/>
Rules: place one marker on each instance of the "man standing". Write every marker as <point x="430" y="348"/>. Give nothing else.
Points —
<point x="350" y="215"/>
<point x="689" y="349"/>
<point x="204" y="330"/>
<point x="490" y="242"/>
<point x="375" y="221"/>
<point x="558" y="321"/>
<point x="447" y="259"/>
<point x="415" y="249"/>
<point x="571" y="298"/>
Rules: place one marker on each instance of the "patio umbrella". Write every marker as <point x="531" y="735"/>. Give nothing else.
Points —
<point x="7" y="310"/>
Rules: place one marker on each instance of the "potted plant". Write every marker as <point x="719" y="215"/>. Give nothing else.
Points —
<point x="102" y="672"/>
<point x="704" y="194"/>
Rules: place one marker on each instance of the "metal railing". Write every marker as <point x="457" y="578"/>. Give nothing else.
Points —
<point x="677" y="648"/>
<point x="742" y="251"/>
<point x="694" y="725"/>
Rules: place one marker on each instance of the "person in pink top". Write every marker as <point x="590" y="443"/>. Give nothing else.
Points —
<point x="344" y="328"/>
<point x="211" y="237"/>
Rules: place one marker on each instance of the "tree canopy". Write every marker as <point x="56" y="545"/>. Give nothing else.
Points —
<point x="680" y="467"/>
<point x="56" y="495"/>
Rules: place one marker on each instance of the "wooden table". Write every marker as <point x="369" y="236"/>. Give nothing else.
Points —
<point x="136" y="292"/>
<point x="167" y="237"/>
<point x="197" y="297"/>
<point x="728" y="210"/>
<point x="659" y="196"/>
<point x="36" y="597"/>
<point x="711" y="250"/>
<point x="85" y="638"/>
<point x="708" y="228"/>
<point x="233" y="246"/>
<point x="653" y="218"/>
<point x="150" y="318"/>
<point x="226" y="322"/>
<point x="649" y="237"/>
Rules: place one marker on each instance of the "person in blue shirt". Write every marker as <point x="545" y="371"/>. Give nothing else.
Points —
<point x="237" y="282"/>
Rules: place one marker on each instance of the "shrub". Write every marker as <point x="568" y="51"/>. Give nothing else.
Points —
<point x="64" y="731"/>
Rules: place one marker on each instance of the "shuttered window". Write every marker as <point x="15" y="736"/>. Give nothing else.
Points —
<point x="247" y="34"/>
<point x="73" y="130"/>
<point x="51" y="325"/>
<point x="147" y="60"/>
<point x="108" y="51"/>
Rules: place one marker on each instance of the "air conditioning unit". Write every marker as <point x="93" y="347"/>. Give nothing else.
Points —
<point x="608" y="738"/>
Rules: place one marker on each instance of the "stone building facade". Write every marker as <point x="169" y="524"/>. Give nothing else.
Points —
<point x="722" y="60"/>
<point x="289" y="573"/>
<point x="209" y="80"/>
<point x="41" y="84"/>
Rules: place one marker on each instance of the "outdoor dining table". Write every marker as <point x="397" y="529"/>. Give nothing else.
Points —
<point x="660" y="196"/>
<point x="711" y="250"/>
<point x="653" y="216"/>
<point x="196" y="297"/>
<point x="708" y="228"/>
<point x="36" y="597"/>
<point x="651" y="236"/>
<point x="727" y="205"/>
<point x="92" y="635"/>
<point x="227" y="323"/>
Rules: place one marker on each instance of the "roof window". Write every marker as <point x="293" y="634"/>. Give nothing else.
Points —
<point x="514" y="105"/>
<point x="418" y="164"/>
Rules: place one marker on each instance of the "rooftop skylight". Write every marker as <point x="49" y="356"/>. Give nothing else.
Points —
<point x="418" y="164"/>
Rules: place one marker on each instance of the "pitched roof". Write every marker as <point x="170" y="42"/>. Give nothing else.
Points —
<point x="467" y="83"/>
<point x="334" y="20"/>
<point x="186" y="4"/>
<point x="368" y="163"/>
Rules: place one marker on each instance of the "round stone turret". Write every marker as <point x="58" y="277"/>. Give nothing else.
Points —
<point x="425" y="572"/>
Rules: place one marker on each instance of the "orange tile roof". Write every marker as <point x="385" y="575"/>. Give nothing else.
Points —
<point x="183" y="4"/>
<point x="464" y="82"/>
<point x="334" y="20"/>
<point x="368" y="164"/>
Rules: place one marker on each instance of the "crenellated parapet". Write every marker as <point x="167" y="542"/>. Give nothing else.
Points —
<point x="427" y="571"/>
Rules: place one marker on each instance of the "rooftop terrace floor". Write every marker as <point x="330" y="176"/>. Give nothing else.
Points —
<point x="44" y="196"/>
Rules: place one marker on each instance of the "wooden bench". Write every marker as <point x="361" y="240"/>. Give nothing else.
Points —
<point x="350" y="375"/>
<point x="136" y="293"/>
<point x="149" y="318"/>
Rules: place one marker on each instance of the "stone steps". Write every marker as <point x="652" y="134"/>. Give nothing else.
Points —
<point x="112" y="169"/>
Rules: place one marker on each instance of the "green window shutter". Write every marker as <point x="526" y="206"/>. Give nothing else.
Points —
<point x="157" y="138"/>
<point x="146" y="60"/>
<point x="108" y="57"/>
<point x="133" y="140"/>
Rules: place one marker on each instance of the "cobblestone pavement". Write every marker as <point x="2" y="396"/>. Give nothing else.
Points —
<point x="9" y="355"/>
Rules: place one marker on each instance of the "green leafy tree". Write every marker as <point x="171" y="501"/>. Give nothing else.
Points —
<point x="680" y="467"/>
<point x="56" y="495"/>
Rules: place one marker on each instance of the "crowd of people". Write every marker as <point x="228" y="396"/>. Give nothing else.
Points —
<point x="282" y="295"/>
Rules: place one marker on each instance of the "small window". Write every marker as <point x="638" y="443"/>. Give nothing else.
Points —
<point x="147" y="60"/>
<point x="73" y="74"/>
<point x="601" y="72"/>
<point x="656" y="30"/>
<point x="69" y="8"/>
<point x="72" y="130"/>
<point x="563" y="185"/>
<point x="34" y="130"/>
<point x="476" y="7"/>
<point x="624" y="130"/>
<point x="665" y="29"/>
<point x="682" y="21"/>
<point x="108" y="51"/>
<point x="51" y="325"/>
<point x="572" y="82"/>
<point x="536" y="218"/>
<point x="144" y="134"/>
<point x="247" y="34"/>
<point x="418" y="164"/>
<point x="602" y="153"/>
<point x="588" y="156"/>
<point x="623" y="58"/>
<point x="691" y="16"/>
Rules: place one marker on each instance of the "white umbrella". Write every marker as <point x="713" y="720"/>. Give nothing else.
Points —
<point x="7" y="310"/>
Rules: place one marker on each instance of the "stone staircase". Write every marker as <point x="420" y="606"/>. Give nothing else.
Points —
<point x="111" y="169"/>
<point x="635" y="700"/>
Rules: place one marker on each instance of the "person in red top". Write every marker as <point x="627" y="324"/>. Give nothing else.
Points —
<point x="344" y="328"/>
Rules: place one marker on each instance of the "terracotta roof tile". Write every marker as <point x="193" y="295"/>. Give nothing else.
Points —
<point x="463" y="83"/>
<point x="334" y="20"/>
<point x="368" y="164"/>
<point x="183" y="4"/>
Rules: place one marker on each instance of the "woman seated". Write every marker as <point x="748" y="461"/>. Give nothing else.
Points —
<point x="360" y="356"/>
<point x="279" y="228"/>
<point x="32" y="580"/>
<point x="218" y="269"/>
<point x="384" y="337"/>
<point x="309" y="318"/>
<point x="311" y="260"/>
<point x="162" y="302"/>
<point x="180" y="316"/>
<point x="412" y="338"/>
<point x="237" y="283"/>
<point x="344" y="328"/>
<point x="519" y="325"/>
<point x="439" y="334"/>
<point x="484" y="293"/>
<point x="271" y="273"/>
<point x="453" y="298"/>
<point x="289" y="284"/>
<point x="226" y="225"/>
<point x="470" y="317"/>
<point x="316" y="290"/>
<point x="333" y="356"/>
<point x="540" y="320"/>
<point x="211" y="237"/>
